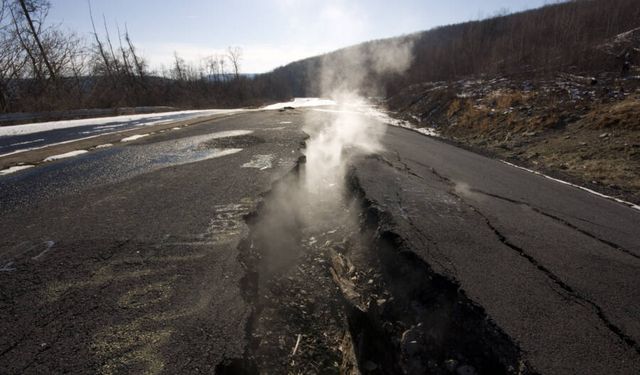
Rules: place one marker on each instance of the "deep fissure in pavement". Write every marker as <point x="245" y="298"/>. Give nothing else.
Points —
<point x="430" y="323"/>
<point x="334" y="290"/>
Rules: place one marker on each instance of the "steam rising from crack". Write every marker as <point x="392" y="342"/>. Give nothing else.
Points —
<point x="344" y="76"/>
<point x="315" y="200"/>
<point x="361" y="69"/>
<point x="309" y="218"/>
<point x="334" y="143"/>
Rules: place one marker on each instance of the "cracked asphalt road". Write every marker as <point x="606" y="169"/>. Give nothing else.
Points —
<point x="556" y="268"/>
<point x="126" y="260"/>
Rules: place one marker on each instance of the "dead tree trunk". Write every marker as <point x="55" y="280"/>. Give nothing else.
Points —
<point x="36" y="38"/>
<point x="103" y="54"/>
<point x="136" y="60"/>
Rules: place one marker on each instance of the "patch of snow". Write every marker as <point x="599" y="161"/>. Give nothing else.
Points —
<point x="634" y="206"/>
<point x="285" y="122"/>
<point x="301" y="102"/>
<point x="15" y="169"/>
<point x="134" y="137"/>
<point x="221" y="152"/>
<point x="176" y="128"/>
<point x="260" y="162"/>
<point x="373" y="112"/>
<point x="104" y="145"/>
<point x="69" y="154"/>
<point x="147" y="118"/>
<point x="427" y="131"/>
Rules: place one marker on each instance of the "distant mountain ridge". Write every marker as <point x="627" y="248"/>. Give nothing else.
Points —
<point x="567" y="36"/>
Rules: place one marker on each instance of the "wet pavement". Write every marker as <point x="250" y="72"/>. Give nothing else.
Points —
<point x="23" y="137"/>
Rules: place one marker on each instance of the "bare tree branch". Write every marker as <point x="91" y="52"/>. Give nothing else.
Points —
<point x="103" y="55"/>
<point x="235" y="55"/>
<point x="35" y="35"/>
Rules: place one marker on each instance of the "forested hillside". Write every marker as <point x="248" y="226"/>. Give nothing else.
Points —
<point x="568" y="36"/>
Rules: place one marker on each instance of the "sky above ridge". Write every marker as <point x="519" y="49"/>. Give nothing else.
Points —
<point x="271" y="33"/>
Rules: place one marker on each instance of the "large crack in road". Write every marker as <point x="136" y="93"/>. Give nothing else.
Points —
<point x="345" y="295"/>
<point x="472" y="234"/>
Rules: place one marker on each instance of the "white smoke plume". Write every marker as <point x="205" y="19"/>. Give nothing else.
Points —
<point x="359" y="69"/>
<point x="315" y="199"/>
<point x="343" y="77"/>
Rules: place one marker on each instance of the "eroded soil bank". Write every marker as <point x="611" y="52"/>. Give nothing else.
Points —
<point x="582" y="129"/>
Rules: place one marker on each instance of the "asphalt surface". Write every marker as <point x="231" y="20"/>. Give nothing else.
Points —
<point x="13" y="143"/>
<point x="126" y="259"/>
<point x="555" y="267"/>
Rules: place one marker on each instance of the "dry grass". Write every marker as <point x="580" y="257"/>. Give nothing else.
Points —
<point x="618" y="115"/>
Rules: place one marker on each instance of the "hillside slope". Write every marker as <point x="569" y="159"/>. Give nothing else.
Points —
<point x="573" y="36"/>
<point x="583" y="129"/>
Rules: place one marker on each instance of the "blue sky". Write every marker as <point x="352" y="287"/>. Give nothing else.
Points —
<point x="270" y="32"/>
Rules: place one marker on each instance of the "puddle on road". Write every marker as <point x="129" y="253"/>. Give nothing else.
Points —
<point x="113" y="164"/>
<point x="193" y="149"/>
<point x="191" y="156"/>
<point x="260" y="162"/>
<point x="231" y="139"/>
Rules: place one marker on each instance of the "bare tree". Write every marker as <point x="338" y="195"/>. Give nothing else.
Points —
<point x="99" y="45"/>
<point x="179" y="68"/>
<point x="31" y="6"/>
<point x="114" y="59"/>
<point x="137" y="61"/>
<point x="235" y="55"/>
<point x="221" y="64"/>
<point x="18" y="34"/>
<point x="124" y="53"/>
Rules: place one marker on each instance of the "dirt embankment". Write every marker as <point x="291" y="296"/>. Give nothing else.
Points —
<point x="583" y="129"/>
